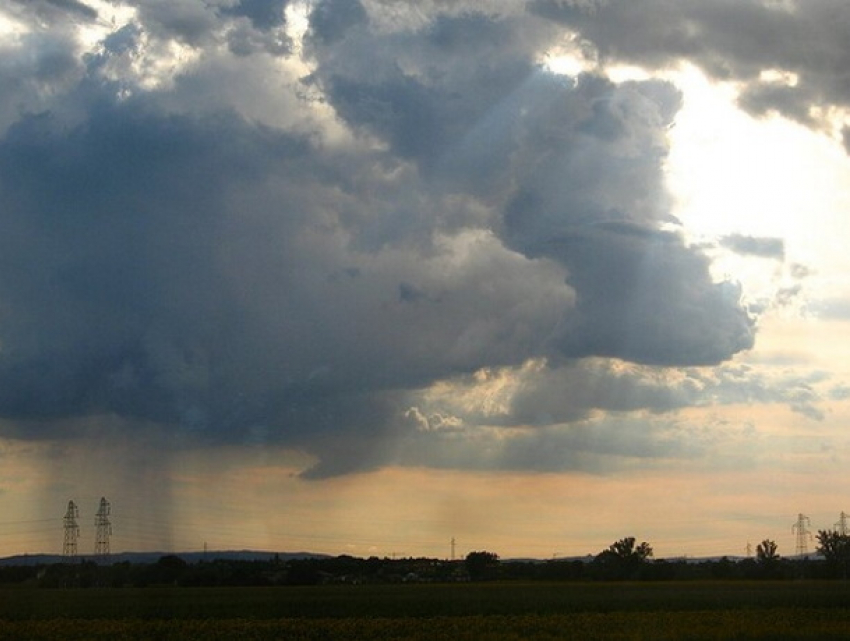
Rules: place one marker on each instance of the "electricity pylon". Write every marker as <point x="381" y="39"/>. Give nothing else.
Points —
<point x="803" y="534"/>
<point x="103" y="529"/>
<point x="72" y="531"/>
<point x="841" y="527"/>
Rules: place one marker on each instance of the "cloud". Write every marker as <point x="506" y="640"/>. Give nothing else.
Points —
<point x="35" y="65"/>
<point x="788" y="57"/>
<point x="584" y="161"/>
<point x="423" y="91"/>
<point x="58" y="9"/>
<point x="190" y="22"/>
<point x="330" y="19"/>
<point x="544" y="395"/>
<point x="592" y="446"/>
<point x="235" y="262"/>
<point x="217" y="308"/>
<point x="831" y="309"/>
<point x="753" y="246"/>
<point x="264" y="14"/>
<point x="632" y="306"/>
<point x="247" y="26"/>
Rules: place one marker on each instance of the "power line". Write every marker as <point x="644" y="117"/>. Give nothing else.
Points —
<point x="27" y="521"/>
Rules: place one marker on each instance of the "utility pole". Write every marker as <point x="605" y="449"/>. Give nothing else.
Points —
<point x="803" y="534"/>
<point x="72" y="532"/>
<point x="453" y="548"/>
<point x="103" y="529"/>
<point x="841" y="527"/>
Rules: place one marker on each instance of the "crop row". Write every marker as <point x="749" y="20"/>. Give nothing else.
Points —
<point x="416" y="601"/>
<point x="783" y="623"/>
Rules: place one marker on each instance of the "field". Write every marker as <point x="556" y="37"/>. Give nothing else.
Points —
<point x="500" y="611"/>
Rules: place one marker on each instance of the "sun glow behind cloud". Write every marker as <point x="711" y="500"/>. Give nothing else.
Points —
<point x="564" y="64"/>
<point x="732" y="173"/>
<point x="111" y="16"/>
<point x="9" y="27"/>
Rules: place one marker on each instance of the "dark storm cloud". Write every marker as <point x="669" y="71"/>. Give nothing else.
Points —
<point x="421" y="92"/>
<point x="755" y="246"/>
<point x="198" y="24"/>
<point x="584" y="159"/>
<point x="188" y="21"/>
<point x="169" y="284"/>
<point x="57" y="9"/>
<point x="265" y="30"/>
<point x="121" y="247"/>
<point x="645" y="297"/>
<point x="591" y="197"/>
<point x="330" y="19"/>
<point x="42" y="62"/>
<point x="168" y="258"/>
<point x="730" y="40"/>
<point x="263" y="14"/>
<point x="73" y="6"/>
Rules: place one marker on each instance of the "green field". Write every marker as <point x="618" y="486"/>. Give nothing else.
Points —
<point x="627" y="611"/>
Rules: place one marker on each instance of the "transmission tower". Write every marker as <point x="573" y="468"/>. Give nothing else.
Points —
<point x="841" y="527"/>
<point x="103" y="529"/>
<point x="72" y="531"/>
<point x="803" y="534"/>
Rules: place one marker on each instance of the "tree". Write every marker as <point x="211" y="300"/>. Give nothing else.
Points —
<point x="766" y="552"/>
<point x="623" y="559"/>
<point x="768" y="564"/>
<point x="625" y="550"/>
<point x="835" y="549"/>
<point x="481" y="565"/>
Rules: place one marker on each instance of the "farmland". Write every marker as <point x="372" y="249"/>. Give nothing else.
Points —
<point x="623" y="611"/>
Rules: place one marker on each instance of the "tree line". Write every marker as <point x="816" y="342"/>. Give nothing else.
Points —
<point x="624" y="559"/>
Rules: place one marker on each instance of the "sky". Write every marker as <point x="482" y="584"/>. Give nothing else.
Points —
<point x="366" y="276"/>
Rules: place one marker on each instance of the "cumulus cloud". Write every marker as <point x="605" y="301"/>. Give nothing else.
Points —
<point x="591" y="446"/>
<point x="216" y="304"/>
<point x="788" y="56"/>
<point x="541" y="394"/>
<point x="294" y="261"/>
<point x="583" y="164"/>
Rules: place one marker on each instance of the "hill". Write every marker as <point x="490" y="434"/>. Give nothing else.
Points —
<point x="153" y="557"/>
